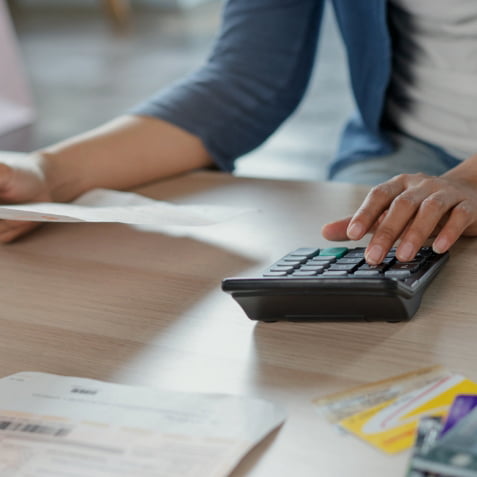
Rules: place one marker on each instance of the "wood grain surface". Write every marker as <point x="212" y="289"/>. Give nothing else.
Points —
<point x="112" y="302"/>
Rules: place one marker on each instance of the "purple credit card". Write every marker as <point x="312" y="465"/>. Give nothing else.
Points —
<point x="462" y="405"/>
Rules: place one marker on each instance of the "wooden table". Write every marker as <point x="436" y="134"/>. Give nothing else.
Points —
<point x="111" y="302"/>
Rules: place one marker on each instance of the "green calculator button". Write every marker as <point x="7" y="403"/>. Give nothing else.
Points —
<point x="337" y="252"/>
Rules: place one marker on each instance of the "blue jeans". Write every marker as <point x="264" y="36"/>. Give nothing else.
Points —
<point x="410" y="156"/>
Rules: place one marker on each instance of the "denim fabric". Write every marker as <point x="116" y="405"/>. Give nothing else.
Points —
<point x="409" y="156"/>
<point x="259" y="69"/>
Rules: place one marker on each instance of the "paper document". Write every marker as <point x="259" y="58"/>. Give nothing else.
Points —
<point x="72" y="427"/>
<point x="103" y="205"/>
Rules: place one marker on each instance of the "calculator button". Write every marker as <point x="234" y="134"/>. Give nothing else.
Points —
<point x="347" y="267"/>
<point x="355" y="260"/>
<point x="335" y="273"/>
<point x="392" y="273"/>
<point x="425" y="251"/>
<point x="312" y="268"/>
<point x="278" y="268"/>
<point x="296" y="258"/>
<point x="367" y="273"/>
<point x="287" y="264"/>
<point x="355" y="252"/>
<point x="304" y="273"/>
<point x="275" y="274"/>
<point x="409" y="266"/>
<point x="380" y="268"/>
<point x="305" y="252"/>
<point x="323" y="260"/>
<point x="337" y="252"/>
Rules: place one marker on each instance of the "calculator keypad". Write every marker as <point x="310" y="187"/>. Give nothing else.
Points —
<point x="333" y="262"/>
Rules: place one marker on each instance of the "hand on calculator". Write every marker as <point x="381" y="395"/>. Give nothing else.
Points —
<point x="412" y="208"/>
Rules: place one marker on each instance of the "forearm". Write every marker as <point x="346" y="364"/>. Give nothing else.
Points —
<point x="124" y="153"/>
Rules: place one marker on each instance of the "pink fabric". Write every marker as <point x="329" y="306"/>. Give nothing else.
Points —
<point x="16" y="108"/>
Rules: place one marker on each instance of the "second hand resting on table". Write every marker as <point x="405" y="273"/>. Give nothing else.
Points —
<point x="412" y="208"/>
<point x="134" y="150"/>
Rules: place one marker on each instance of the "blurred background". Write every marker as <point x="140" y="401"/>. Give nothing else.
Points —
<point x="87" y="61"/>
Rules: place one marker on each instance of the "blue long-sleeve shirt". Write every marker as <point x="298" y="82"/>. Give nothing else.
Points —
<point x="258" y="71"/>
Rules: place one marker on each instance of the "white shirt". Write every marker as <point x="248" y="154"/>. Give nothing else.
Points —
<point x="433" y="91"/>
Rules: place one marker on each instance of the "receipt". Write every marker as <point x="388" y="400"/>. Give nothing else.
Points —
<point x="68" y="426"/>
<point x="103" y="205"/>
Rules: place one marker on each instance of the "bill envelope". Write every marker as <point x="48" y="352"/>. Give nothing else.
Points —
<point x="447" y="448"/>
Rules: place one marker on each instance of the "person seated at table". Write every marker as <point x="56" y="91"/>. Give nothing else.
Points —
<point x="413" y="68"/>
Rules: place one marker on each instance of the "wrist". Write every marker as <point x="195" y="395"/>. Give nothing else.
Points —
<point x="465" y="172"/>
<point x="63" y="184"/>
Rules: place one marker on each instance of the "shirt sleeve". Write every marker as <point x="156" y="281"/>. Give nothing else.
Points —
<point x="252" y="81"/>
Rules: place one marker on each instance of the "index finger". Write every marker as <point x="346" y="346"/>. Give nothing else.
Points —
<point x="376" y="202"/>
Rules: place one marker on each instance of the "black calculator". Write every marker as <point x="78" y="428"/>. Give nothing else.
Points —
<point x="336" y="284"/>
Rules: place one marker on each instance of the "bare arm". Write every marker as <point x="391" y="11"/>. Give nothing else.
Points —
<point x="124" y="153"/>
<point x="411" y="208"/>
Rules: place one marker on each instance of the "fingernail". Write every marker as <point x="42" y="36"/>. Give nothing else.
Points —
<point x="406" y="252"/>
<point x="355" y="231"/>
<point x="374" y="254"/>
<point x="440" y="245"/>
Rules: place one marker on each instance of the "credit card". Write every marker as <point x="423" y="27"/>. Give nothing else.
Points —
<point x="391" y="426"/>
<point x="427" y="435"/>
<point x="455" y="453"/>
<point x="339" y="406"/>
<point x="461" y="406"/>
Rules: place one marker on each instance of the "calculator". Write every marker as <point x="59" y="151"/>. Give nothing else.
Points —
<point x="336" y="284"/>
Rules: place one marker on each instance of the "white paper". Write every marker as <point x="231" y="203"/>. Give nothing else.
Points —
<point x="72" y="427"/>
<point x="103" y="205"/>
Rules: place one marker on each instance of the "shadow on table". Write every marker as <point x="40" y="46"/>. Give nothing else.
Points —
<point x="250" y="460"/>
<point x="319" y="355"/>
<point x="87" y="298"/>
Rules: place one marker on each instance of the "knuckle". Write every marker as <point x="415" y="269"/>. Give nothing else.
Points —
<point x="421" y="177"/>
<point x="433" y="203"/>
<point x="464" y="210"/>
<point x="438" y="186"/>
<point x="380" y="192"/>
<point x="401" y="177"/>
<point x="406" y="201"/>
<point x="411" y="178"/>
<point x="397" y="179"/>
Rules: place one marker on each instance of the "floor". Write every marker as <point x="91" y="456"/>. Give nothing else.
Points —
<point x="83" y="72"/>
